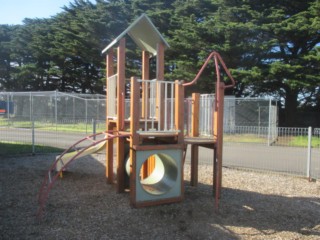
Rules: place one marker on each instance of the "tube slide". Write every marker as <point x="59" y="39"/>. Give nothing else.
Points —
<point x="162" y="178"/>
<point x="67" y="157"/>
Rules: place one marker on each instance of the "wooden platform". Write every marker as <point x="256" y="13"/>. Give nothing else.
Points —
<point x="200" y="141"/>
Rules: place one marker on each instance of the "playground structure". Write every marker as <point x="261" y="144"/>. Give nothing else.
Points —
<point x="150" y="145"/>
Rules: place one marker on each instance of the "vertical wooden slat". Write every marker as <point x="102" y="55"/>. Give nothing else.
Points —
<point x="134" y="108"/>
<point x="151" y="164"/>
<point x="145" y="76"/>
<point x="120" y="114"/>
<point x="195" y="115"/>
<point x="134" y="125"/>
<point x="109" y="143"/>
<point x="160" y="61"/>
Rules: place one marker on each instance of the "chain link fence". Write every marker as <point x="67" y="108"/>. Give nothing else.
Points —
<point x="296" y="151"/>
<point x="41" y="118"/>
<point x="252" y="139"/>
<point x="254" y="117"/>
<point x="315" y="158"/>
<point x="52" y="107"/>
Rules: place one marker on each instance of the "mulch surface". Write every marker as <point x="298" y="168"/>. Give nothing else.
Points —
<point x="254" y="205"/>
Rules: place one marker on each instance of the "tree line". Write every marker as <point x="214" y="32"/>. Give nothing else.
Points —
<point x="272" y="47"/>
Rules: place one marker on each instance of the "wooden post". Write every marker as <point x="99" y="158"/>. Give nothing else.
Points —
<point x="179" y="121"/>
<point x="194" y="165"/>
<point x="145" y="103"/>
<point x="121" y="83"/>
<point x="195" y="115"/>
<point x="120" y="114"/>
<point x="145" y="76"/>
<point x="109" y="143"/>
<point x="160" y="77"/>
<point x="134" y="108"/>
<point x="194" y="133"/>
<point x="160" y="61"/>
<point x="134" y="126"/>
<point x="218" y="135"/>
<point x="179" y="111"/>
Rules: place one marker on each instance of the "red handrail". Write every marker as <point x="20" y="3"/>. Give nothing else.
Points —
<point x="50" y="180"/>
<point x="217" y="59"/>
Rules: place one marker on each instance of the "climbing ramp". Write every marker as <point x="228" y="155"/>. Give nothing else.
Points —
<point x="86" y="146"/>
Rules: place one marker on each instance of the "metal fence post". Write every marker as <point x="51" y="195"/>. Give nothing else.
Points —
<point x="309" y="153"/>
<point x="269" y="125"/>
<point x="86" y="112"/>
<point x="8" y="112"/>
<point x="56" y="109"/>
<point x="32" y="124"/>
<point x="8" y="107"/>
<point x="94" y="128"/>
<point x="33" y="138"/>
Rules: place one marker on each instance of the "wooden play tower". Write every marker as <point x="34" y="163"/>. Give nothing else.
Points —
<point x="153" y="118"/>
<point x="146" y="130"/>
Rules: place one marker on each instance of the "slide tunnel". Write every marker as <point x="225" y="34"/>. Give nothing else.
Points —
<point x="164" y="181"/>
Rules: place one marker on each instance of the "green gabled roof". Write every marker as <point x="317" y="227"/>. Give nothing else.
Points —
<point x="143" y="33"/>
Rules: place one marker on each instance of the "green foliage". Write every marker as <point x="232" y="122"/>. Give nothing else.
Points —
<point x="272" y="47"/>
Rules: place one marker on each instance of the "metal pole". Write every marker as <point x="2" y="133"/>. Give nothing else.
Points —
<point x="309" y="153"/>
<point x="98" y="105"/>
<point x="172" y="106"/>
<point x="33" y="138"/>
<point x="30" y="112"/>
<point x="86" y="106"/>
<point x="8" y="116"/>
<point x="259" y="120"/>
<point x="269" y="128"/>
<point x="56" y="108"/>
<point x="32" y="124"/>
<point x="73" y="109"/>
<point x="8" y="107"/>
<point x="94" y="128"/>
<point x="146" y="103"/>
<point x="165" y="105"/>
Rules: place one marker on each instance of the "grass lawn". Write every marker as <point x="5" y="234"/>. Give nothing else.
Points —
<point x="243" y="138"/>
<point x="63" y="127"/>
<point x="7" y="149"/>
<point x="298" y="141"/>
<point x="302" y="141"/>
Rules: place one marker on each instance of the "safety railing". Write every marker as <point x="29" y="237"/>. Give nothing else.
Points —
<point x="206" y="110"/>
<point x="157" y="106"/>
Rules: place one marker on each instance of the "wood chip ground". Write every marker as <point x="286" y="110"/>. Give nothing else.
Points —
<point x="254" y="205"/>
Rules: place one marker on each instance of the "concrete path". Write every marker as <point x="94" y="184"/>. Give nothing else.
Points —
<point x="291" y="160"/>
